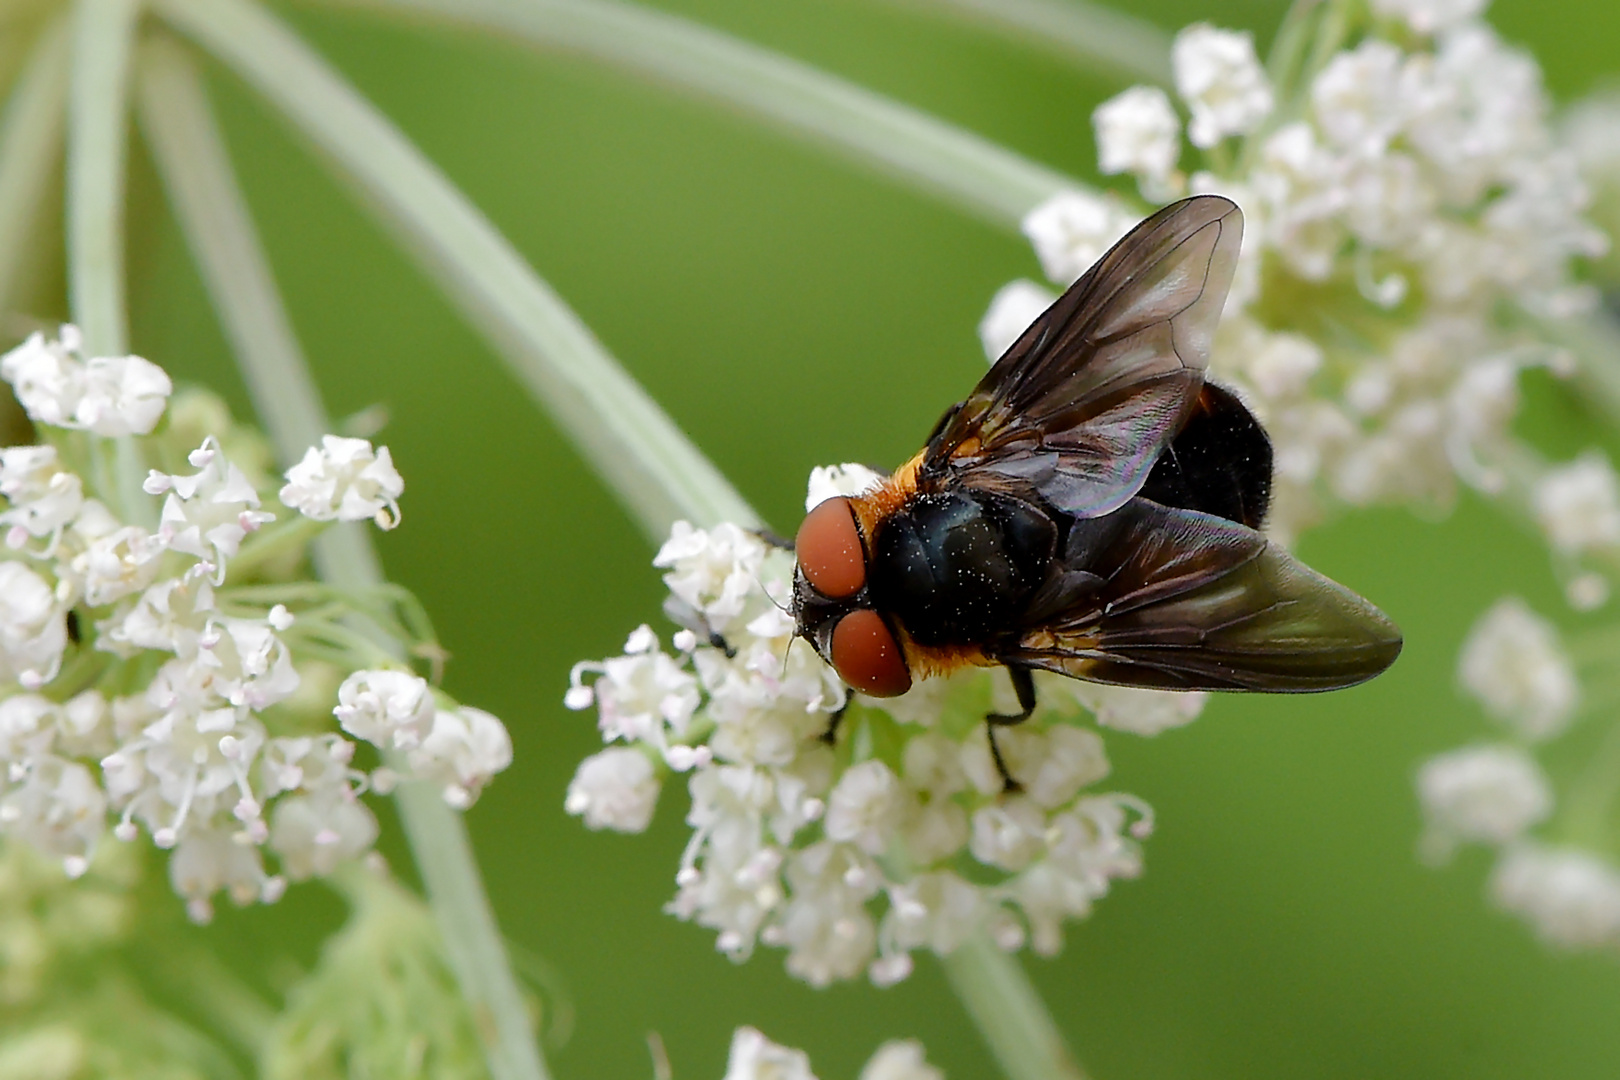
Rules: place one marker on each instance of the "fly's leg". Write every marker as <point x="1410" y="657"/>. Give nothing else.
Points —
<point x="774" y="539"/>
<point x="830" y="736"/>
<point x="683" y="614"/>
<point x="1024" y="686"/>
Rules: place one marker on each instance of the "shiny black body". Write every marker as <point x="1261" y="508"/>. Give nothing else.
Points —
<point x="958" y="568"/>
<point x="967" y="567"/>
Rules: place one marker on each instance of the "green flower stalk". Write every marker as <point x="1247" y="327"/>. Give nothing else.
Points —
<point x="382" y="1000"/>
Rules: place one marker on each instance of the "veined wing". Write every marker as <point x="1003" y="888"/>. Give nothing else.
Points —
<point x="1181" y="600"/>
<point x="1080" y="406"/>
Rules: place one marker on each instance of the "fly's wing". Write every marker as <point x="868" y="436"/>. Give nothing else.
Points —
<point x="1078" y="409"/>
<point x="1181" y="600"/>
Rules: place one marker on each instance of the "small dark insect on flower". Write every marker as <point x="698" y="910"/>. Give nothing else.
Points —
<point x="1092" y="508"/>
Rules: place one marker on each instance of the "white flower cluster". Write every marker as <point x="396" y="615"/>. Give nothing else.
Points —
<point x="107" y="395"/>
<point x="1402" y="203"/>
<point x="141" y="684"/>
<point x="852" y="854"/>
<point x="1515" y="666"/>
<point x="754" y="1057"/>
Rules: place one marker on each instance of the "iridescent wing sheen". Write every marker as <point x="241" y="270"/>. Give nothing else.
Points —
<point x="1078" y="409"/>
<point x="1180" y="600"/>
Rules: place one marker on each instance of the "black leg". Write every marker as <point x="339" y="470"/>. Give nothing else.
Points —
<point x="1024" y="686"/>
<point x="774" y="539"/>
<point x="830" y="736"/>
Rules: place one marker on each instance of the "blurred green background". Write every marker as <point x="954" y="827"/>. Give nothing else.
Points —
<point x="789" y="309"/>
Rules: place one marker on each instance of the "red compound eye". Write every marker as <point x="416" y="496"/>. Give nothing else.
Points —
<point x="829" y="550"/>
<point x="867" y="656"/>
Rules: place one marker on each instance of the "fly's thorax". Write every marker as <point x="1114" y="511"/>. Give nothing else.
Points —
<point x="957" y="568"/>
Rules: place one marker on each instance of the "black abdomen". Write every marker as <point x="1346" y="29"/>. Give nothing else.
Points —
<point x="958" y="568"/>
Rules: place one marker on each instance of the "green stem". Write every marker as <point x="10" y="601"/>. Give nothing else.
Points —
<point x="290" y="532"/>
<point x="1586" y="812"/>
<point x="103" y="35"/>
<point x="1009" y="1012"/>
<point x="1098" y="39"/>
<point x="1335" y="26"/>
<point x="558" y="358"/>
<point x="988" y="181"/>
<point x="213" y="215"/>
<point x="624" y="435"/>
<point x="1284" y="68"/>
<point x="197" y="977"/>
<point x="30" y="151"/>
<point x="1287" y="53"/>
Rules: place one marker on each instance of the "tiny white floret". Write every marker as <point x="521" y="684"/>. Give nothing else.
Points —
<point x="1138" y="132"/>
<point x="111" y="396"/>
<point x="1487" y="794"/>
<point x="900" y="1059"/>
<point x="828" y="481"/>
<point x="1570" y="898"/>
<point x="345" y="480"/>
<point x="1579" y="504"/>
<point x="390" y="709"/>
<point x="1430" y="16"/>
<point x="754" y="1057"/>
<point x="1222" y="82"/>
<point x="1514" y="665"/>
<point x="615" y="789"/>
